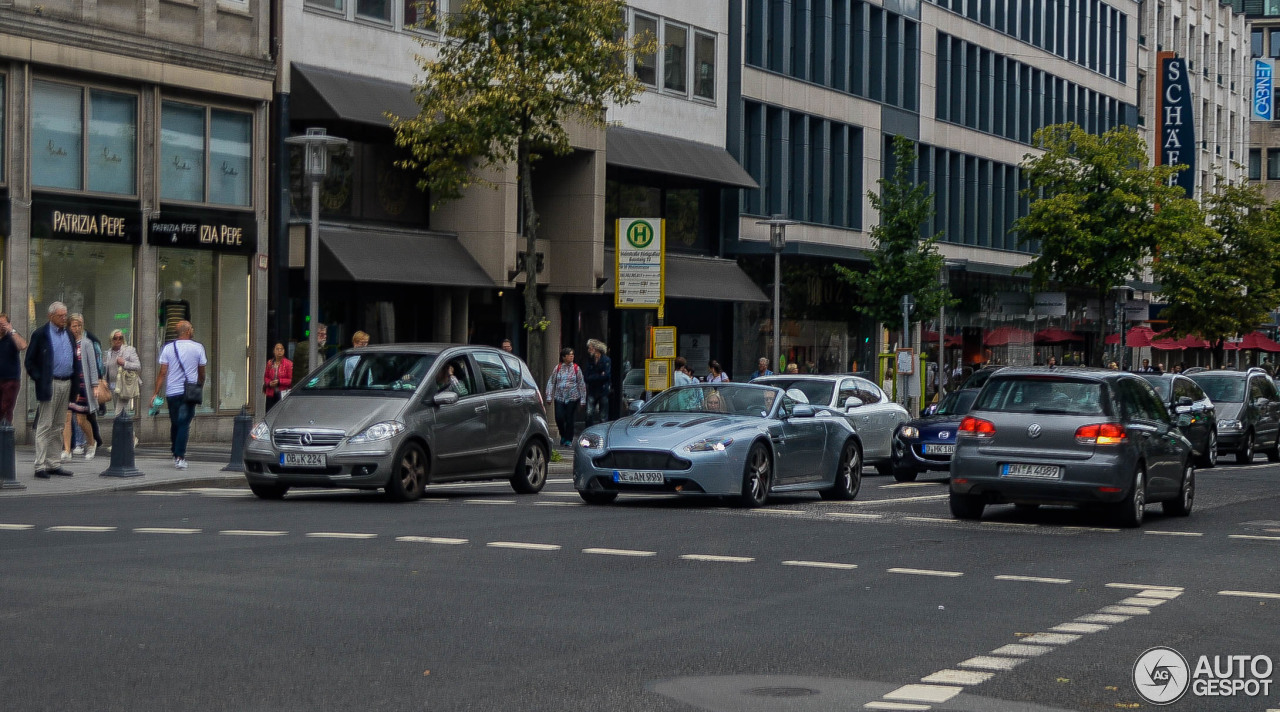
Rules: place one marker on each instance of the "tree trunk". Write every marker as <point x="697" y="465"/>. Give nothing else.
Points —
<point x="533" y="313"/>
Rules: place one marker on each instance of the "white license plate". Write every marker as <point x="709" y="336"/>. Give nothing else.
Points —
<point x="1039" y="472"/>
<point x="633" y="477"/>
<point x="939" y="449"/>
<point x="301" y="459"/>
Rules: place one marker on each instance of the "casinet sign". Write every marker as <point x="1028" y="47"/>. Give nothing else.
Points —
<point x="1176" y="130"/>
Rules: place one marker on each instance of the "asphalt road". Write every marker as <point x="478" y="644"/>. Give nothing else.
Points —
<point x="478" y="599"/>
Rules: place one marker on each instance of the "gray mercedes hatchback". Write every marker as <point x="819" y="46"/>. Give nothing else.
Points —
<point x="1072" y="436"/>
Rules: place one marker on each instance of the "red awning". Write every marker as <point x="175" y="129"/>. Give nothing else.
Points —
<point x="1054" y="335"/>
<point x="1190" y="341"/>
<point x="1257" y="340"/>
<point x="1137" y="337"/>
<point x="1006" y="335"/>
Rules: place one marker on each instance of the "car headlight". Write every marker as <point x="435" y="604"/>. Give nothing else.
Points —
<point x="709" y="445"/>
<point x="910" y="432"/>
<point x="260" y="431"/>
<point x="379" y="431"/>
<point x="1228" y="425"/>
<point x="591" y="441"/>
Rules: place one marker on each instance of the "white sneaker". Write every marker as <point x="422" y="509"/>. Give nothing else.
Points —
<point x="77" y="450"/>
<point x="64" y="456"/>
<point x="180" y="463"/>
<point x="90" y="451"/>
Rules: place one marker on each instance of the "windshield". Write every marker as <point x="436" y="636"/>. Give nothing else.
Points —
<point x="378" y="372"/>
<point x="1162" y="385"/>
<point x="724" y="399"/>
<point x="1222" y="389"/>
<point x="634" y="377"/>
<point x="957" y="402"/>
<point x="816" y="391"/>
<point x="1037" y="394"/>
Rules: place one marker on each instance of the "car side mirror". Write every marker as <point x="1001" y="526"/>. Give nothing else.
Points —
<point x="1185" y="401"/>
<point x="852" y="402"/>
<point x="445" y="398"/>
<point x="803" y="410"/>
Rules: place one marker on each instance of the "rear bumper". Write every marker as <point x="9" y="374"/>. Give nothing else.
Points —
<point x="1082" y="482"/>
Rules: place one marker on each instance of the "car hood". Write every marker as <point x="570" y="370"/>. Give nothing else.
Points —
<point x="350" y="414"/>
<point x="666" y="431"/>
<point x="1227" y="411"/>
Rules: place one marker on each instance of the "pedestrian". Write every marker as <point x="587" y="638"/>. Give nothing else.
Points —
<point x="124" y="373"/>
<point x="682" y="377"/>
<point x="567" y="390"/>
<point x="182" y="361"/>
<point x="1113" y="366"/>
<point x="1146" y="366"/>
<point x="51" y="365"/>
<point x="278" y="376"/>
<point x="11" y="344"/>
<point x="599" y="379"/>
<point x="302" y="354"/>
<point x="1053" y="362"/>
<point x="715" y="374"/>
<point x="506" y="346"/>
<point x="762" y="369"/>
<point x="793" y="367"/>
<point x="359" y="340"/>
<point x="82" y="404"/>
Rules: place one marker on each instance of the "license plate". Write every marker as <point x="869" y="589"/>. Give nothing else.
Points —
<point x="632" y="477"/>
<point x="301" y="459"/>
<point x="1039" y="472"/>
<point x="939" y="449"/>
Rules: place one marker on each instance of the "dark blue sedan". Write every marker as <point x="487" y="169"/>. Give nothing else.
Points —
<point x="927" y="443"/>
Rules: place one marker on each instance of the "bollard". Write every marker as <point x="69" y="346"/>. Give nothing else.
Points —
<point x="122" y="449"/>
<point x="8" y="455"/>
<point x="240" y="433"/>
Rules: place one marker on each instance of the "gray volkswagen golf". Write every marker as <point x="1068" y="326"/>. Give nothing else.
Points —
<point x="1071" y="436"/>
<point x="400" y="417"/>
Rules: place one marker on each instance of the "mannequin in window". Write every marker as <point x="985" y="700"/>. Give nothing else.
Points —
<point x="173" y="309"/>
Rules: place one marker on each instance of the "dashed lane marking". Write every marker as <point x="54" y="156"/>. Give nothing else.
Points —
<point x="926" y="572"/>
<point x="488" y="501"/>
<point x="559" y="504"/>
<point x="1108" y="618"/>
<point x="958" y="677"/>
<point x="1126" y="610"/>
<point x="924" y="693"/>
<point x="16" y="527"/>
<point x="340" y="535"/>
<point x="904" y="485"/>
<point x="932" y="520"/>
<point x="619" y="552"/>
<point x="1009" y="524"/>
<point x="821" y="565"/>
<point x="1155" y="532"/>
<point x="992" y="662"/>
<point x="896" y="500"/>
<point x="1249" y="594"/>
<point x="904" y="706"/>
<point x="251" y="532"/>
<point x="1145" y="587"/>
<point x="161" y="493"/>
<point x="777" y="511"/>
<point x="1254" y="537"/>
<point x="1031" y="579"/>
<point x="1080" y="627"/>
<point x="431" y="540"/>
<point x="1026" y="651"/>
<point x="1142" y="601"/>
<point x="523" y="545"/>
<point x="70" y="528"/>
<point x="718" y="558"/>
<point x="1052" y="638"/>
<point x="164" y="530"/>
<point x="855" y="515"/>
<point x="1109" y="530"/>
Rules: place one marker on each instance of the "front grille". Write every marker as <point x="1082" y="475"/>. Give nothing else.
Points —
<point x="640" y="460"/>
<point x="298" y="437"/>
<point x="330" y="470"/>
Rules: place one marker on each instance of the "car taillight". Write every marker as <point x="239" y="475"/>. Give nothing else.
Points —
<point x="976" y="427"/>
<point x="1100" y="434"/>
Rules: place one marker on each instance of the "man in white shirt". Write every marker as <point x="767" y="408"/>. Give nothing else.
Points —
<point x="681" y="377"/>
<point x="182" y="361"/>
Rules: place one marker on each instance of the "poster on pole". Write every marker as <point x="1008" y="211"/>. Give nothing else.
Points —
<point x="662" y="342"/>
<point x="639" y="272"/>
<point x="657" y="374"/>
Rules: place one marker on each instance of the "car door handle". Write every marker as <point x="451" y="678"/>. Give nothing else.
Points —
<point x="482" y="408"/>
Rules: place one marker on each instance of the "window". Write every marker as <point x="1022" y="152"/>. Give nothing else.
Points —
<point x="59" y="137"/>
<point x="704" y="66"/>
<point x="2" y="126"/>
<point x="675" y="58"/>
<point x="420" y="14"/>
<point x="495" y="374"/>
<point x="1255" y="164"/>
<point x="374" y="10"/>
<point x="338" y="5"/>
<point x="1273" y="43"/>
<point x="182" y="152"/>
<point x="197" y="168"/>
<point x="646" y="65"/>
<point x="1273" y="164"/>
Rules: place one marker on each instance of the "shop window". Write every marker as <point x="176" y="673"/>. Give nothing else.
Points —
<point x="182" y="152"/>
<point x="646" y="65"/>
<point x="56" y="135"/>
<point x="704" y="62"/>
<point x="675" y="58"/>
<point x="230" y="141"/>
<point x="58" y="139"/>
<point x="112" y="155"/>
<point x="198" y="166"/>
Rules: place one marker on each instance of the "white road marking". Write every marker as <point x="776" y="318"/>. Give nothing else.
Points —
<point x="912" y="484"/>
<point x="777" y="511"/>
<point x="1051" y="638"/>
<point x="1142" y="601"/>
<point x="1029" y="651"/>
<point x="559" y="480"/>
<point x="620" y="552"/>
<point x="164" y="530"/>
<point x="1249" y="594"/>
<point x="936" y="520"/>
<point x="523" y="545"/>
<point x="488" y="501"/>
<point x="431" y="540"/>
<point x="1009" y="524"/>
<point x="1254" y="537"/>
<point x="1126" y="610"/>
<point x="924" y="693"/>
<point x="1144" y="586"/>
<point x="161" y="493"/>
<point x="251" y="532"/>
<point x="821" y="565"/>
<point x="1031" y="579"/>
<point x="1160" y="533"/>
<point x="905" y="707"/>
<point x="959" y="677"/>
<point x="1092" y="529"/>
<point x="716" y="557"/>
<point x="16" y="527"/>
<point x="896" y="500"/>
<point x="926" y="572"/>
<point x="855" y="515"/>
<point x="1102" y="618"/>
<point x="339" y="535"/>
<point x="559" y="504"/>
<point x="545" y="493"/>
<point x="70" y="528"/>
<point x="1159" y="593"/>
<point x="990" y="662"/>
<point x="1080" y="628"/>
<point x="434" y="500"/>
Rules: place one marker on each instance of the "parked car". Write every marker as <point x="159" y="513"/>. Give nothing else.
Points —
<point x="927" y="443"/>
<point x="1248" y="411"/>
<point x="399" y="417"/>
<point x="867" y="408"/>
<point x="632" y="390"/>
<point x="728" y="439"/>
<point x="1071" y="436"/>
<point x="1192" y="411"/>
<point x="979" y="377"/>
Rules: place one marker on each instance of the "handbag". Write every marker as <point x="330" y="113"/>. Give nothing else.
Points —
<point x="128" y="383"/>
<point x="192" y="393"/>
<point x="101" y="392"/>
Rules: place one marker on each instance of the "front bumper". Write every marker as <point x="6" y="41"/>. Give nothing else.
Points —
<point x="707" y="473"/>
<point x="364" y="466"/>
<point x="909" y="454"/>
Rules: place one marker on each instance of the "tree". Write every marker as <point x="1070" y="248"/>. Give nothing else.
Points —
<point x="1220" y="280"/>
<point x="508" y="78"/>
<point x="1098" y="210"/>
<point x="904" y="263"/>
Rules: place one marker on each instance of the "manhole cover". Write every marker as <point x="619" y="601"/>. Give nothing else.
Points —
<point x="782" y="691"/>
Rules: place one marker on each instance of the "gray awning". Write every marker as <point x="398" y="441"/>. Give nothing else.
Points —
<point x="644" y="151"/>
<point x="325" y="95"/>
<point x="695" y="277"/>
<point x="356" y="255"/>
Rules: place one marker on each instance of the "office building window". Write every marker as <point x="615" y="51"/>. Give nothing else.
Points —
<point x="646" y="64"/>
<point x="198" y="167"/>
<point x="675" y="57"/>
<point x="1273" y="164"/>
<point x="704" y="66"/>
<point x="374" y="10"/>
<point x="60" y="135"/>
<point x="1255" y="164"/>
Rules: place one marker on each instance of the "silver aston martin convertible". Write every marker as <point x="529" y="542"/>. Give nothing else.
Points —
<point x="738" y="440"/>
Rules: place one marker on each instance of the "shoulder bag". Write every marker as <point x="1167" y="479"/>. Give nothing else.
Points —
<point x="192" y="392"/>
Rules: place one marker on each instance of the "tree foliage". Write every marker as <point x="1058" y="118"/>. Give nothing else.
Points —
<point x="1221" y="279"/>
<point x="904" y="262"/>
<point x="507" y="79"/>
<point x="1098" y="210"/>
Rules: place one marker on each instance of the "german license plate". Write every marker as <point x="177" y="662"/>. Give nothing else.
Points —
<point x="301" y="459"/>
<point x="633" y="477"/>
<point x="939" y="449"/>
<point x="1039" y="472"/>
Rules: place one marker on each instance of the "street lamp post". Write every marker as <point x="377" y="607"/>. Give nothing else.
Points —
<point x="777" y="240"/>
<point x="316" y="145"/>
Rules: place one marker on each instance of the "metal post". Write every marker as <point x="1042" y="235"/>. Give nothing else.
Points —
<point x="313" y="274"/>
<point x="122" y="464"/>
<point x="8" y="456"/>
<point x="240" y="433"/>
<point x="777" y="309"/>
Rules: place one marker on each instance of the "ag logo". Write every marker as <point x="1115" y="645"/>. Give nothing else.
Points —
<point x="1161" y="676"/>
<point x="640" y="234"/>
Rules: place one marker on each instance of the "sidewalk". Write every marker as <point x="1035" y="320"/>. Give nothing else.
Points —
<point x="205" y="463"/>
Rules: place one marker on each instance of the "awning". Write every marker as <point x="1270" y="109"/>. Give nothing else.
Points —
<point x="1254" y="341"/>
<point x="644" y="151"/>
<point x="355" y="255"/>
<point x="325" y="95"/>
<point x="696" y="277"/>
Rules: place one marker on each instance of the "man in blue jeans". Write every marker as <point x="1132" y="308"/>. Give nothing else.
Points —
<point x="182" y="361"/>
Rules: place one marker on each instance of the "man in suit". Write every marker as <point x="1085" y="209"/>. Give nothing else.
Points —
<point x="53" y="367"/>
<point x="302" y="363"/>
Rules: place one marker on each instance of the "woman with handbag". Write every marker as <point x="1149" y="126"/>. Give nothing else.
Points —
<point x="182" y="365"/>
<point x="278" y="377"/>
<point x="124" y="370"/>
<point x="86" y="395"/>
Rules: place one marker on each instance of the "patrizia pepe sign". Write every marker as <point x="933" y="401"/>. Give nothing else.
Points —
<point x="217" y="230"/>
<point x="1175" y="128"/>
<point x="86" y="219"/>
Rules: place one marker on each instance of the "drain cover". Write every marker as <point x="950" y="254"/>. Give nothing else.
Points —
<point x="782" y="691"/>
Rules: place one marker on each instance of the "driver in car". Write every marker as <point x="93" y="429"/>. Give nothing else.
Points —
<point x="446" y="381"/>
